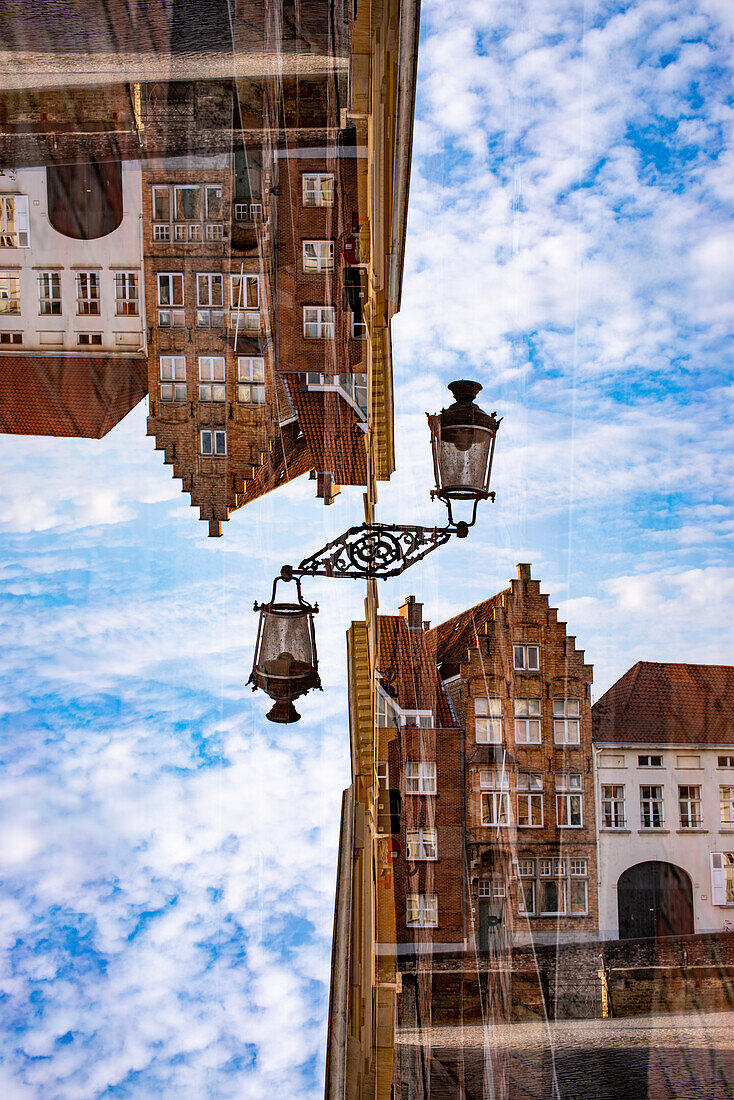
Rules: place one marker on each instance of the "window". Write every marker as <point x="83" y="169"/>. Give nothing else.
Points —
<point x="527" y="721"/>
<point x="213" y="202"/>
<point x="251" y="381"/>
<point x="488" y="721"/>
<point x="726" y="800"/>
<point x="318" y="322"/>
<point x="649" y="761"/>
<point x="722" y="878"/>
<point x="209" y="300"/>
<point x="421" y="843"/>
<point x="213" y="442"/>
<point x="579" y="886"/>
<point x="9" y="292"/>
<point x="566" y="723"/>
<point x="491" y="888"/>
<point x="526" y="875"/>
<point x="359" y="329"/>
<point x="651" y="807"/>
<point x="318" y="256"/>
<point x="245" y="290"/>
<point x="172" y="378"/>
<point x="161" y="204"/>
<point x="552" y="887"/>
<point x="530" y="800"/>
<point x="89" y="339"/>
<point x="187" y="203"/>
<point x="421" y="910"/>
<point x="211" y="378"/>
<point x="526" y="658"/>
<point x="689" y="802"/>
<point x="11" y="338"/>
<point x="726" y="762"/>
<point x="170" y="295"/>
<point x="420" y="777"/>
<point x="14" y="224"/>
<point x="416" y="719"/>
<point x="612" y="806"/>
<point x="494" y="798"/>
<point x="569" y="796"/>
<point x="87" y="294"/>
<point x="49" y="293"/>
<point x="126" y="294"/>
<point x="318" y="190"/>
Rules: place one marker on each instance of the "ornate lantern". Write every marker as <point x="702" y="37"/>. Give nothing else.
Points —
<point x="285" y="664"/>
<point x="462" y="441"/>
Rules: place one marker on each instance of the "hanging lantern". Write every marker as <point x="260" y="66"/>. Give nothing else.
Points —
<point x="462" y="441"/>
<point x="285" y="664"/>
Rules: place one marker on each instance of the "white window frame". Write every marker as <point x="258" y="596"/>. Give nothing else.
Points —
<point x="50" y="299"/>
<point x="421" y="843"/>
<point x="126" y="294"/>
<point x="319" y="322"/>
<point x="317" y="257"/>
<point x="646" y="760"/>
<point x="553" y="870"/>
<point x="648" y="805"/>
<point x="248" y="280"/>
<point x="529" y="796"/>
<point x="613" y="806"/>
<point x="494" y="798"/>
<point x="172" y="379"/>
<point x="689" y="806"/>
<point x="421" y="910"/>
<point x="89" y="339"/>
<point x="722" y="879"/>
<point x="14" y="230"/>
<point x="88" y="294"/>
<point x="569" y="792"/>
<point x="209" y="314"/>
<point x="212" y="378"/>
<point x="488" y="720"/>
<point x="159" y="221"/>
<point x="528" y="721"/>
<point x="216" y="436"/>
<point x="172" y="315"/>
<point x="726" y="805"/>
<point x="566" y="720"/>
<point x="14" y="339"/>
<point x="420" y="777"/>
<point x="358" y="329"/>
<point x="526" y="657"/>
<point x="10" y="293"/>
<point x="317" y="189"/>
<point x="250" y="380"/>
<point x="728" y="761"/>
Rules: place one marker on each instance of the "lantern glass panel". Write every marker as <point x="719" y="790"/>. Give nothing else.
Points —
<point x="286" y="642"/>
<point x="462" y="461"/>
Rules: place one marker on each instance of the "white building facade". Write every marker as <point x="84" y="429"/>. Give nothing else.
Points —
<point x="71" y="271"/>
<point x="664" y="788"/>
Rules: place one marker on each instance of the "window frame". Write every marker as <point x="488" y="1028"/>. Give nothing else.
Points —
<point x="11" y="277"/>
<point x="567" y="721"/>
<point x="318" y="264"/>
<point x="250" y="384"/>
<point x="426" y="908"/>
<point x="54" y="281"/>
<point x="21" y="220"/>
<point x="176" y="384"/>
<point x="492" y="719"/>
<point x="215" y="434"/>
<point x="424" y="839"/>
<point x="525" y="648"/>
<point x="524" y="719"/>
<point x="530" y="795"/>
<point x="689" y="805"/>
<point x="85" y="296"/>
<point x="319" y="194"/>
<point x="127" y="281"/>
<point x="651" y="801"/>
<point x="729" y="799"/>
<point x="614" y="801"/>
<point x="209" y="314"/>
<point x="424" y="778"/>
<point x="208" y="364"/>
<point x="566" y="791"/>
<point x="176" y="310"/>
<point x="325" y="322"/>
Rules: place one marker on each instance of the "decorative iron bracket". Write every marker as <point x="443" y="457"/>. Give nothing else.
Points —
<point x="374" y="551"/>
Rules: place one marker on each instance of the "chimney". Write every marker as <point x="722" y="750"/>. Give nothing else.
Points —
<point x="523" y="570"/>
<point x="413" y="613"/>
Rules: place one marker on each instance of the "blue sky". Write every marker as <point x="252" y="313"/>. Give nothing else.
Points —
<point x="168" y="857"/>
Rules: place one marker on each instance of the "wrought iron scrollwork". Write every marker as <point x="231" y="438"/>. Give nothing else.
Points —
<point x="372" y="550"/>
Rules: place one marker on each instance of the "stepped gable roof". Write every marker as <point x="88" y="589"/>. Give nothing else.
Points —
<point x="454" y="637"/>
<point x="331" y="428"/>
<point x="289" y="459"/>
<point x="406" y="661"/>
<point x="73" y="396"/>
<point x="659" y="704"/>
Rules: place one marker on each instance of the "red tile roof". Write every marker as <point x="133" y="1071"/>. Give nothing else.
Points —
<point x="406" y="661"/>
<point x="68" y="396"/>
<point x="661" y="704"/>
<point x="330" y="425"/>
<point x="453" y="638"/>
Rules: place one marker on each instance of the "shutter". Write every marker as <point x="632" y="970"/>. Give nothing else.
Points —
<point x="21" y="220"/>
<point x="718" y="879"/>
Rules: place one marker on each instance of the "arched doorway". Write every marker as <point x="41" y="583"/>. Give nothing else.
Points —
<point x="85" y="198"/>
<point x="654" y="899"/>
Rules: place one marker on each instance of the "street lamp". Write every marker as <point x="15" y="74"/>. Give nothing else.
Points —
<point x="285" y="664"/>
<point x="462" y="442"/>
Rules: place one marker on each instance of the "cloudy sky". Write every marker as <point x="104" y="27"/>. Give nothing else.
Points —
<point x="168" y="857"/>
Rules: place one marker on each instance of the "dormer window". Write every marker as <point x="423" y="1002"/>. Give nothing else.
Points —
<point x="526" y="658"/>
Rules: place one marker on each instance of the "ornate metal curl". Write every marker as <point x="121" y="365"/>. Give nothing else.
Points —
<point x="373" y="550"/>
